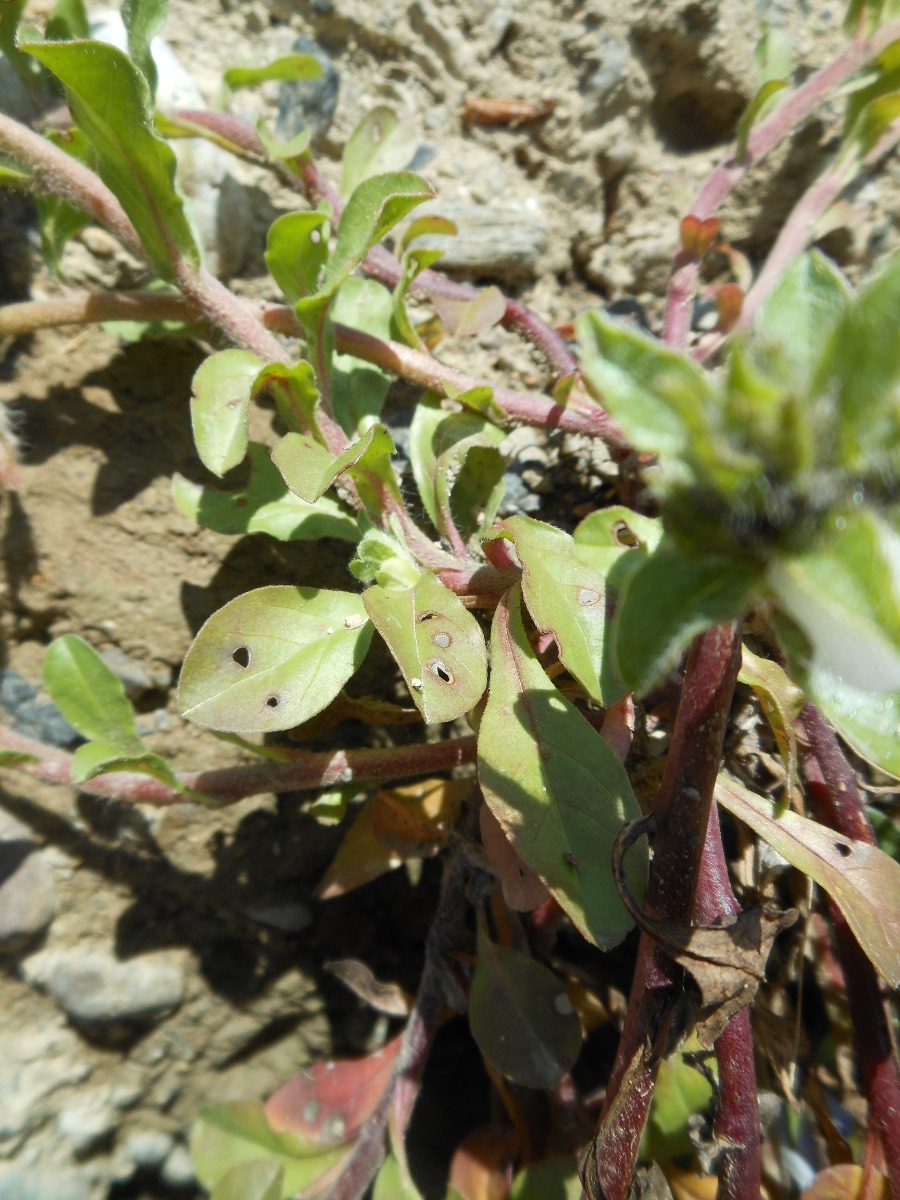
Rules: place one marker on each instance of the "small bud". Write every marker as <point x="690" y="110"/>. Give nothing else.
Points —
<point x="729" y="302"/>
<point x="697" y="236"/>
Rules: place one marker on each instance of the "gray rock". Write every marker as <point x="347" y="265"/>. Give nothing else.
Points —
<point x="178" y="1169"/>
<point x="132" y="674"/>
<point x="35" y="1065"/>
<point x="27" y="888"/>
<point x="148" y="1149"/>
<point x="87" y="1119"/>
<point x="506" y="242"/>
<point x="43" y="1182"/>
<point x="100" y="993"/>
<point x="32" y="717"/>
<point x="308" y="103"/>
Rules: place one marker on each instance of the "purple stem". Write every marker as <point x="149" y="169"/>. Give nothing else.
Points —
<point x="796" y="108"/>
<point x="682" y="810"/>
<point x="736" y="1124"/>
<point x="307" y="770"/>
<point x="836" y="801"/>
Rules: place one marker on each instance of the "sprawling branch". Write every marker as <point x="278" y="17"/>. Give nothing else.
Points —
<point x="798" y="107"/>
<point x="304" y="770"/>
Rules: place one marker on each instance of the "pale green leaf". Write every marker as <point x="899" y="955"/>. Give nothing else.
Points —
<point x="555" y="1178"/>
<point x="468" y="317"/>
<point x="296" y="252"/>
<point x="554" y="785"/>
<point x="310" y="470"/>
<point x="437" y="643"/>
<point x="69" y="19"/>
<point x="291" y="66"/>
<point x="781" y="701"/>
<point x="293" y="148"/>
<point x="358" y="388"/>
<point x="257" y="1179"/>
<point x="759" y="106"/>
<point x="379" y="143"/>
<point x="862" y="880"/>
<point x="392" y="1182"/>
<point x="273" y="658"/>
<point x="104" y="758"/>
<point x="143" y="19"/>
<point x="220" y="403"/>
<point x="88" y="694"/>
<point x="869" y="721"/>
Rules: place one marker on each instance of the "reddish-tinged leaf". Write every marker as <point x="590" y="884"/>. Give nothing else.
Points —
<point x="361" y="857"/>
<point x="523" y="891"/>
<point x="847" y="1182"/>
<point x="331" y="1101"/>
<point x="482" y="1166"/>
<point x="413" y="820"/>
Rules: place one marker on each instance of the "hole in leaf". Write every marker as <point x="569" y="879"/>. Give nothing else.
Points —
<point x="273" y="702"/>
<point x="442" y="639"/>
<point x="315" y="236"/>
<point x="241" y="656"/>
<point x="625" y="536"/>
<point x="436" y="667"/>
<point x="843" y="849"/>
<point x="587" y="596"/>
<point x="426" y="616"/>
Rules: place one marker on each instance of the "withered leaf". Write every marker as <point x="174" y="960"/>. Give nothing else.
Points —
<point x="726" y="961"/>
<point x="387" y="998"/>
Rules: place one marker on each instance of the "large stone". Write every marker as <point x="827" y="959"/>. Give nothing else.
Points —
<point x="27" y="888"/>
<point x="101" y="994"/>
<point x="34" y="1066"/>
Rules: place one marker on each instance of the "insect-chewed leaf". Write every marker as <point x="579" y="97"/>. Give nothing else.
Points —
<point x="273" y="658"/>
<point x="567" y="598"/>
<point x="553" y="784"/>
<point x="521" y="1017"/>
<point x="862" y="880"/>
<point x="437" y="643"/>
<point x="220" y="401"/>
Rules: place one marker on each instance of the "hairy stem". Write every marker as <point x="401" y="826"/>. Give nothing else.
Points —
<point x="681" y="810"/>
<point x="836" y="801"/>
<point x="305" y="770"/>
<point x="736" y="1124"/>
<point x="81" y="308"/>
<point x="800" y="105"/>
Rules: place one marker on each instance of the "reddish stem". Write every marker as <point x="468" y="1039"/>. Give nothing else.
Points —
<point x="682" y="812"/>
<point x="836" y="801"/>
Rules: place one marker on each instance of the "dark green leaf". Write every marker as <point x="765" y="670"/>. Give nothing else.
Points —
<point x="379" y="143"/>
<point x="520" y="1016"/>
<point x="133" y="162"/>
<point x="553" y="784"/>
<point x="568" y="599"/>
<point x="291" y="66"/>
<point x="265" y="505"/>
<point x="220" y="403"/>
<point x="143" y="20"/>
<point x="666" y="602"/>
<point x="273" y="658"/>
<point x="16" y="758"/>
<point x="437" y="643"/>
<point x="227" y="1135"/>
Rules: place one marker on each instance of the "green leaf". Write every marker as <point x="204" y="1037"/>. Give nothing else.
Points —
<point x="666" y="602"/>
<point x="220" y="403"/>
<point x="845" y="597"/>
<point x="265" y="505"/>
<point x="602" y="536"/>
<point x="554" y="785"/>
<point x="16" y="758"/>
<point x="860" y="369"/>
<point x="293" y="149"/>
<point x="568" y="599"/>
<point x="801" y="313"/>
<point x="310" y="470"/>
<point x="456" y="465"/>
<point x="781" y="701"/>
<point x="759" y="106"/>
<point x="520" y="1016"/>
<point x="413" y="263"/>
<point x="659" y="397"/>
<point x="227" y="1135"/>
<point x="92" y="698"/>
<point x="383" y="558"/>
<point x="468" y="317"/>
<point x="273" y="658"/>
<point x="143" y="20"/>
<point x="291" y="66"/>
<point x="258" y="1179"/>
<point x="421" y="227"/>
<point x="868" y="721"/>
<point x="358" y="388"/>
<point x="682" y="1093"/>
<point x="293" y="388"/>
<point x="379" y="143"/>
<point x="68" y="20"/>
<point x="554" y="1178"/>
<point x="10" y="16"/>
<point x="437" y="643"/>
<point x="133" y="162"/>
<point x="392" y="1182"/>
<point x="296" y="252"/>
<point x="862" y="880"/>
<point x="58" y="220"/>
